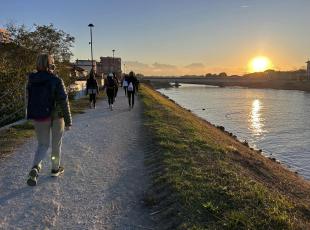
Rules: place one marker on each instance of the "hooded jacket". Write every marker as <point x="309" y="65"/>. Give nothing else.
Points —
<point x="61" y="108"/>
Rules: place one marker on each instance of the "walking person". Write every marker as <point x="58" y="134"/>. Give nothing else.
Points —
<point x="48" y="107"/>
<point x="110" y="85"/>
<point x="131" y="89"/>
<point x="125" y="83"/>
<point x="117" y="85"/>
<point x="137" y="85"/>
<point x="92" y="89"/>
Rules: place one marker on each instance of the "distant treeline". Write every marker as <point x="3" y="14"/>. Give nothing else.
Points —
<point x="17" y="60"/>
<point x="300" y="74"/>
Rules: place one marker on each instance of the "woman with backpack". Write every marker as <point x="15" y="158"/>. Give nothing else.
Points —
<point x="92" y="89"/>
<point x="110" y="86"/>
<point x="125" y="83"/>
<point x="131" y="89"/>
<point x="48" y="107"/>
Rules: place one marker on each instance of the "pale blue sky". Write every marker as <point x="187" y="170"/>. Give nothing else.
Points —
<point x="178" y="36"/>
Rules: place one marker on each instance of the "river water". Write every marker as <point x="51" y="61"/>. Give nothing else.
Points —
<point x="276" y="121"/>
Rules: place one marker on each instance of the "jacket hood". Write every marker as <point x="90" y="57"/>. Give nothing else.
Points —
<point x="39" y="77"/>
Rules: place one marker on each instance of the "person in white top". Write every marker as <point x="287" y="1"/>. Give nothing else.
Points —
<point x="125" y="83"/>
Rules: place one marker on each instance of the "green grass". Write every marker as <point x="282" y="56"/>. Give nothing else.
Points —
<point x="18" y="134"/>
<point x="13" y="137"/>
<point x="199" y="186"/>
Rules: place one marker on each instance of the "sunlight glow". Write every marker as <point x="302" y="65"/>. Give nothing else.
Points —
<point x="255" y="118"/>
<point x="259" y="64"/>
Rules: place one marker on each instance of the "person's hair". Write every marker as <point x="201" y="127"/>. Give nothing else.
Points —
<point x="131" y="74"/>
<point x="45" y="62"/>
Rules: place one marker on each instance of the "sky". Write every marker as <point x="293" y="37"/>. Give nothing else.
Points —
<point x="177" y="37"/>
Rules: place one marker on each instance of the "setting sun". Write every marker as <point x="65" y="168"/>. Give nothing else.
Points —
<point x="259" y="64"/>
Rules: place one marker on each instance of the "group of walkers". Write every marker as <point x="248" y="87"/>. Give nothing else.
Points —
<point x="111" y="84"/>
<point x="48" y="107"/>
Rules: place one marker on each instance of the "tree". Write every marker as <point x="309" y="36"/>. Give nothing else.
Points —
<point x="223" y="74"/>
<point x="17" y="60"/>
<point x="45" y="38"/>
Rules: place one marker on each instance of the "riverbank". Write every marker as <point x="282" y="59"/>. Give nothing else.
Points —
<point x="14" y="136"/>
<point x="205" y="179"/>
<point x="258" y="83"/>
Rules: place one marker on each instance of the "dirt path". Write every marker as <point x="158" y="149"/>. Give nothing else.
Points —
<point x="104" y="178"/>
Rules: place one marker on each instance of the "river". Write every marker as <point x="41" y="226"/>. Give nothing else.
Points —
<point x="276" y="121"/>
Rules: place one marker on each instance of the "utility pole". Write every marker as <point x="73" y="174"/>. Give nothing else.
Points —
<point x="113" y="62"/>
<point x="91" y="46"/>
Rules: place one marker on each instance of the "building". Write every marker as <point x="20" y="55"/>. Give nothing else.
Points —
<point x="86" y="65"/>
<point x="308" y="70"/>
<point x="109" y="65"/>
<point x="78" y="72"/>
<point x="4" y="36"/>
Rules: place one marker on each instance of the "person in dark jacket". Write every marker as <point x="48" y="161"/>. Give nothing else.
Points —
<point x="131" y="89"/>
<point x="110" y="85"/>
<point x="92" y="89"/>
<point x="117" y="85"/>
<point x="46" y="90"/>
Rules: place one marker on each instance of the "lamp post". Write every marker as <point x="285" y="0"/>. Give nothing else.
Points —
<point x="113" y="61"/>
<point x="91" y="45"/>
<point x="124" y="68"/>
<point x="308" y="70"/>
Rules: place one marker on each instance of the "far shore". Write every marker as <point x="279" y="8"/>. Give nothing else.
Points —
<point x="260" y="83"/>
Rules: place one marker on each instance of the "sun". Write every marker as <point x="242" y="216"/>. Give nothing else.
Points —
<point x="259" y="64"/>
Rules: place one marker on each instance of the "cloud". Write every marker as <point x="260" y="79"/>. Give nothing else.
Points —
<point x="154" y="69"/>
<point x="164" y="66"/>
<point x="244" y="6"/>
<point x="164" y="69"/>
<point x="195" y="66"/>
<point x="136" y="64"/>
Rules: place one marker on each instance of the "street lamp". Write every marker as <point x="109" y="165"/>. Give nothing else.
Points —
<point x="113" y="61"/>
<point x="91" y="45"/>
<point x="113" y="53"/>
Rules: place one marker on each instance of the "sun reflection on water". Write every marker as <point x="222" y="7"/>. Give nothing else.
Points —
<point x="255" y="118"/>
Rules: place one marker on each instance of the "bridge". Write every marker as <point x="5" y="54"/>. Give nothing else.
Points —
<point x="234" y="81"/>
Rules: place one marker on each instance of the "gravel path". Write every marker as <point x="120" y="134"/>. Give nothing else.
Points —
<point x="104" y="178"/>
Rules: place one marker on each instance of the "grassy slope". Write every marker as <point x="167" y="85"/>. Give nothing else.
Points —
<point x="204" y="179"/>
<point x="18" y="134"/>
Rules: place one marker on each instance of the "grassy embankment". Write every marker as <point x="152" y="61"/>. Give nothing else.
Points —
<point x="18" y="134"/>
<point x="205" y="179"/>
